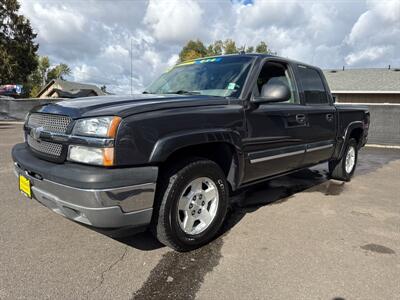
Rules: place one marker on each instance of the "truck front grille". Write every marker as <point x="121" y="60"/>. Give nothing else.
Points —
<point x="49" y="122"/>
<point x="48" y="148"/>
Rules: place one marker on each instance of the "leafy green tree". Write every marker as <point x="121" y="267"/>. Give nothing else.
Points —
<point x="215" y="49"/>
<point x="197" y="49"/>
<point x="262" y="47"/>
<point x="17" y="46"/>
<point x="230" y="47"/>
<point x="58" y="72"/>
<point x="38" y="77"/>
<point x="250" y="49"/>
<point x="192" y="50"/>
<point x="43" y="68"/>
<point x="44" y="74"/>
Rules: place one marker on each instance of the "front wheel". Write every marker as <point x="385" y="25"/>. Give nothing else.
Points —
<point x="191" y="204"/>
<point x="344" y="168"/>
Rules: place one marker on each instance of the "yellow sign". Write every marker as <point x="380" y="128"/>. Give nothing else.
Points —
<point x="25" y="186"/>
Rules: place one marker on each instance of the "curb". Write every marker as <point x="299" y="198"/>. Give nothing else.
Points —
<point x="382" y="146"/>
<point x="11" y="122"/>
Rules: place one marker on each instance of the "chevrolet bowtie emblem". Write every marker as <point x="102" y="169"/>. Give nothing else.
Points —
<point x="35" y="132"/>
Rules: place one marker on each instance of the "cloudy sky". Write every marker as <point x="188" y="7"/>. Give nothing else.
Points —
<point x="94" y="37"/>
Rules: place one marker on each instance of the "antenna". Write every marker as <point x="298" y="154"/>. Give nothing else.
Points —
<point x="131" y="65"/>
<point x="243" y="50"/>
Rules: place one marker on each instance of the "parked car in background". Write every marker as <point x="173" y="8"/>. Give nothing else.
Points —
<point x="11" y="90"/>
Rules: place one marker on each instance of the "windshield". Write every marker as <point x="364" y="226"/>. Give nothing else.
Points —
<point x="217" y="76"/>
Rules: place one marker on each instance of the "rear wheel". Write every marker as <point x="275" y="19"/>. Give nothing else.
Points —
<point x="191" y="204"/>
<point x="344" y="168"/>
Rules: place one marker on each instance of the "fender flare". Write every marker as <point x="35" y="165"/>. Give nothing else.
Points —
<point x="172" y="143"/>
<point x="346" y="135"/>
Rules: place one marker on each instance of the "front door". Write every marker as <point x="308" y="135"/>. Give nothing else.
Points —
<point x="275" y="143"/>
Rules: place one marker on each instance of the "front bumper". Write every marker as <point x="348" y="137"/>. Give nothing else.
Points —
<point x="100" y="197"/>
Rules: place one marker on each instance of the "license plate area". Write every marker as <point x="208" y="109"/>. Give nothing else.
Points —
<point x="25" y="186"/>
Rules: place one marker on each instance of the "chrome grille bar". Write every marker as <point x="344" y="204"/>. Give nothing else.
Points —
<point x="49" y="122"/>
<point x="48" y="148"/>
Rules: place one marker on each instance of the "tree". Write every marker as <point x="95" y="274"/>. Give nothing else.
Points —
<point x="230" y="47"/>
<point x="58" y="72"/>
<point x="215" y="49"/>
<point x="38" y="77"/>
<point x="17" y="48"/>
<point x="196" y="49"/>
<point x="262" y="47"/>
<point x="192" y="50"/>
<point x="250" y="49"/>
<point x="43" y="68"/>
<point x="44" y="74"/>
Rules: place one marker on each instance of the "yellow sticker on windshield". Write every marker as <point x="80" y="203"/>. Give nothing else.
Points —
<point x="186" y="63"/>
<point x="200" y="61"/>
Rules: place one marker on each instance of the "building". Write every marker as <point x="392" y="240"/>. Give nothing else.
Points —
<point x="58" y="88"/>
<point x="365" y="85"/>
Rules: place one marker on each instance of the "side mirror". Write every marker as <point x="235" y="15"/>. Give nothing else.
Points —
<point x="273" y="92"/>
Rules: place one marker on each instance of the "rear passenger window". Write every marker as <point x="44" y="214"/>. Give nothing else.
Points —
<point x="314" y="90"/>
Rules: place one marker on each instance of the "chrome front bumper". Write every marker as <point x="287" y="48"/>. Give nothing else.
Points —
<point x="104" y="208"/>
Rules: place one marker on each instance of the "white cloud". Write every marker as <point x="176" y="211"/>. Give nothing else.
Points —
<point x="375" y="35"/>
<point x="86" y="73"/>
<point x="172" y="60"/>
<point x="94" y="37"/>
<point x="65" y="22"/>
<point x="174" y="21"/>
<point x="267" y="13"/>
<point x="368" y="55"/>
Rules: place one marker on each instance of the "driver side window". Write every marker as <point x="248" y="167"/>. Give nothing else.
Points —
<point x="272" y="73"/>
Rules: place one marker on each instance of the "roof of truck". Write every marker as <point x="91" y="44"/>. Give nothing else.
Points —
<point x="262" y="55"/>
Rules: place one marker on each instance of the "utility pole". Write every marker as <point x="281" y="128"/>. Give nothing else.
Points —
<point x="131" y="65"/>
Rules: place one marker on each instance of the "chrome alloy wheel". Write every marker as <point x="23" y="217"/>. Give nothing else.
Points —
<point x="350" y="159"/>
<point x="198" y="205"/>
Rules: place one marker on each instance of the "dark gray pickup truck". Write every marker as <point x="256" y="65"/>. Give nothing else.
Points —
<point x="168" y="159"/>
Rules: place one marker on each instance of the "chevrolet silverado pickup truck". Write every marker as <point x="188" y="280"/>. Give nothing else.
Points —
<point x="169" y="159"/>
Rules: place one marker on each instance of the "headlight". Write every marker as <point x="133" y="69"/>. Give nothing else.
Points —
<point x="91" y="155"/>
<point x="100" y="127"/>
<point x="97" y="127"/>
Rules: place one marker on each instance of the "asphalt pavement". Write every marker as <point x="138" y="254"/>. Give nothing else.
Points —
<point x="297" y="237"/>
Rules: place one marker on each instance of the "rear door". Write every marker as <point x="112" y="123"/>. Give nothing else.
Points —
<point x="321" y="115"/>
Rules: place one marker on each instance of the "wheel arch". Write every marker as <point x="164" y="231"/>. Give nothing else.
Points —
<point x="353" y="130"/>
<point x="221" y="146"/>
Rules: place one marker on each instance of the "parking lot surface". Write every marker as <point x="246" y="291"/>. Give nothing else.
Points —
<point x="297" y="237"/>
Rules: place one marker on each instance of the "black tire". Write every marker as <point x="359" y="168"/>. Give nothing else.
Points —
<point x="171" y="185"/>
<point x="337" y="168"/>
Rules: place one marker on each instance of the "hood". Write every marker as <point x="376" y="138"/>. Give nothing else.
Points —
<point x="125" y="105"/>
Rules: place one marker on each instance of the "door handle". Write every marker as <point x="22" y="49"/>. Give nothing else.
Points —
<point x="329" y="117"/>
<point x="300" y="118"/>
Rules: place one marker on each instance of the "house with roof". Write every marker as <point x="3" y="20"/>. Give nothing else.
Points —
<point x="58" y="88"/>
<point x="374" y="85"/>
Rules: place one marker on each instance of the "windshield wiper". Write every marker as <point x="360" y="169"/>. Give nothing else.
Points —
<point x="146" y="92"/>
<point x="183" y="92"/>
